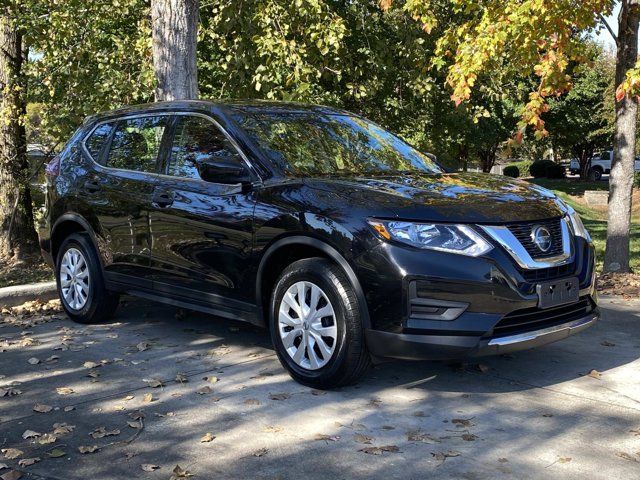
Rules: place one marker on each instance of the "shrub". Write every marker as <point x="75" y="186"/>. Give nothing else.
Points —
<point x="556" y="171"/>
<point x="538" y="169"/>
<point x="636" y="179"/>
<point x="511" y="171"/>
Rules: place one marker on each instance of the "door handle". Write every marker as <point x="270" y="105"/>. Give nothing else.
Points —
<point x="162" y="199"/>
<point x="92" y="186"/>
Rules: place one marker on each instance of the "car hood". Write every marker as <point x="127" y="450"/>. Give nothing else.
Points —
<point x="457" y="197"/>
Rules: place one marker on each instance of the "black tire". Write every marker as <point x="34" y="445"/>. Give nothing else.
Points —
<point x="101" y="304"/>
<point x="350" y="358"/>
<point x="595" y="174"/>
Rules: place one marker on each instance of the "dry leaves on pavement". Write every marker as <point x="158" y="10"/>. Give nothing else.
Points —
<point x="380" y="450"/>
<point x="207" y="437"/>
<point x="179" y="473"/>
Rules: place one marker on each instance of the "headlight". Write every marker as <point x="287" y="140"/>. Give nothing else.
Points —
<point x="578" y="227"/>
<point x="444" y="238"/>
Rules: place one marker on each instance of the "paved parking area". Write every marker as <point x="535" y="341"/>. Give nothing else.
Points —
<point x="157" y="388"/>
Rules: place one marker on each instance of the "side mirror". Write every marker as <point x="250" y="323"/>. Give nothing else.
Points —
<point x="223" y="169"/>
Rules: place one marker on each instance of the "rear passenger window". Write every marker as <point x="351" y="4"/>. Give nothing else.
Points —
<point x="136" y="143"/>
<point x="97" y="140"/>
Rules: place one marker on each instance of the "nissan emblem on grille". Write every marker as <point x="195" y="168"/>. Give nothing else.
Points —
<point x="541" y="237"/>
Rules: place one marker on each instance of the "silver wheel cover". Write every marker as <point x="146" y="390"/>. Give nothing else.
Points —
<point x="74" y="279"/>
<point x="307" y="325"/>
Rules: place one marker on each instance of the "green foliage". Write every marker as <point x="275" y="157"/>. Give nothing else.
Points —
<point x="636" y="179"/>
<point x="511" y="171"/>
<point x="538" y="169"/>
<point x="555" y="170"/>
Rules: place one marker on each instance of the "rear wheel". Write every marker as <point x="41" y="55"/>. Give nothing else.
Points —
<point x="80" y="283"/>
<point x="316" y="325"/>
<point x="595" y="174"/>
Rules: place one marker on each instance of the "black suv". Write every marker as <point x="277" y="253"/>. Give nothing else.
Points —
<point x="345" y="241"/>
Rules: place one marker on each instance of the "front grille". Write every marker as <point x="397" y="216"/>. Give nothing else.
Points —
<point x="529" y="319"/>
<point x="543" y="274"/>
<point x="522" y="231"/>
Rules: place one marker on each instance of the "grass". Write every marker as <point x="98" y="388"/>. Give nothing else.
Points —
<point x="595" y="219"/>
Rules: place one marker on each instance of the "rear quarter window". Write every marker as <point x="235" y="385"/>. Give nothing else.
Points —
<point x="97" y="141"/>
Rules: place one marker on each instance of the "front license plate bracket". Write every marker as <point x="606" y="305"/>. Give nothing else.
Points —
<point x="558" y="292"/>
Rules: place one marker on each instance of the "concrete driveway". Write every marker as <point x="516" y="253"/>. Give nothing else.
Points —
<point x="144" y="387"/>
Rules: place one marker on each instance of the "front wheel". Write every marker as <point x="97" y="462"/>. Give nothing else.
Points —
<point x="316" y="325"/>
<point x="80" y="283"/>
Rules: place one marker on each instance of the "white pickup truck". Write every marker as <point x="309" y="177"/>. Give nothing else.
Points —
<point x="600" y="164"/>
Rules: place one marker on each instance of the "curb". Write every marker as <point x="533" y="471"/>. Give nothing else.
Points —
<point x="19" y="294"/>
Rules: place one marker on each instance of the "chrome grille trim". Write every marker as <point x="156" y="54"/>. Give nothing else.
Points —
<point x="504" y="237"/>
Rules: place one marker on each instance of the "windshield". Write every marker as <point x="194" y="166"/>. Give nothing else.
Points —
<point x="312" y="143"/>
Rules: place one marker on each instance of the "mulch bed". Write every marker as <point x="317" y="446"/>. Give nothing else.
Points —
<point x="30" y="270"/>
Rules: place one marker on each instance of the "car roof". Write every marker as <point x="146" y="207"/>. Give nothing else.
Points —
<point x="246" y="106"/>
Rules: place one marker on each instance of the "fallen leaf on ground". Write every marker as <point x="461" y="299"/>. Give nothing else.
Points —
<point x="418" y="436"/>
<point x="607" y="344"/>
<point x="155" y="383"/>
<point x="442" y="456"/>
<point x="564" y="459"/>
<point x="626" y="456"/>
<point x="102" y="432"/>
<point x="204" y="390"/>
<point x="419" y="414"/>
<point x="326" y="438"/>
<point x="136" y="424"/>
<point x="207" y="437"/>
<point x="11" y="453"/>
<point x="11" y="475"/>
<point x="387" y="427"/>
<point x="375" y="402"/>
<point x="595" y="374"/>
<point x="279" y="396"/>
<point x="260" y="453"/>
<point x="3" y="466"/>
<point x="30" y="434"/>
<point x="88" y="448"/>
<point x="142" y="346"/>
<point x="318" y="392"/>
<point x="148" y="398"/>
<point x="33" y="361"/>
<point x="56" y="453"/>
<point x="547" y="415"/>
<point x="179" y="473"/>
<point x="129" y="397"/>
<point x="46" y="439"/>
<point x="42" y="408"/>
<point x="273" y="429"/>
<point x="210" y="379"/>
<point x="69" y="408"/>
<point x="64" y="390"/>
<point x="149" y="467"/>
<point x="360" y="438"/>
<point x="380" y="450"/>
<point x="27" y="462"/>
<point x="52" y="358"/>
<point x="463" y="422"/>
<point x="252" y="401"/>
<point x="503" y="460"/>
<point x="62" y="428"/>
<point x="182" y="378"/>
<point x="91" y="365"/>
<point x="9" y="392"/>
<point x="469" y="437"/>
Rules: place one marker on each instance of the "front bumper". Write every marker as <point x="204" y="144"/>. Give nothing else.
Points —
<point x="429" y="305"/>
<point x="448" y="347"/>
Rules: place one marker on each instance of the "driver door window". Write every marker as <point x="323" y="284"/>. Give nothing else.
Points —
<point x="197" y="139"/>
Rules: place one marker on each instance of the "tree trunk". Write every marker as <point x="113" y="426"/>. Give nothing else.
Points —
<point x="487" y="158"/>
<point x="622" y="167"/>
<point x="175" y="36"/>
<point x="18" y="236"/>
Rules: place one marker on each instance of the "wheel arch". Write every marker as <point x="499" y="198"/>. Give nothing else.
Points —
<point x="68" y="224"/>
<point x="283" y="247"/>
